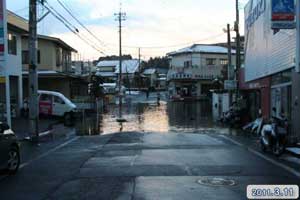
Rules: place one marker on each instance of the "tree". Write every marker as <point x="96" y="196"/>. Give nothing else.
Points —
<point x="156" y="62"/>
<point x="114" y="57"/>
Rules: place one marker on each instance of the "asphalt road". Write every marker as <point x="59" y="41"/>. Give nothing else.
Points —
<point x="143" y="166"/>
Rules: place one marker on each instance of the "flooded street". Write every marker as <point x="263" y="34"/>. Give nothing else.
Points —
<point x="168" y="117"/>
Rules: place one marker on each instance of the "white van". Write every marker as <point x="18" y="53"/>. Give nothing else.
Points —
<point x="55" y="104"/>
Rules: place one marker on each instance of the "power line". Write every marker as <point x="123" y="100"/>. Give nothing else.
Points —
<point x="170" y="46"/>
<point x="62" y="17"/>
<point x="89" y="41"/>
<point x="72" y="15"/>
<point x="70" y="27"/>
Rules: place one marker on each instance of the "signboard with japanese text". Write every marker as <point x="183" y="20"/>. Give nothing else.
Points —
<point x="283" y="14"/>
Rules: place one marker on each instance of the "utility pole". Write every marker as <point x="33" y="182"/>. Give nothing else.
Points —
<point x="33" y="76"/>
<point x="140" y="60"/>
<point x="140" y="70"/>
<point x="238" y="46"/>
<point x="229" y="70"/>
<point x="120" y="17"/>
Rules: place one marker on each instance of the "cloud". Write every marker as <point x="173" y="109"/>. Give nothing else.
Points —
<point x="149" y="23"/>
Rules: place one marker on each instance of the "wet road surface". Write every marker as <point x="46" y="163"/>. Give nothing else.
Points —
<point x="136" y="165"/>
<point x="181" y="117"/>
<point x="162" y="153"/>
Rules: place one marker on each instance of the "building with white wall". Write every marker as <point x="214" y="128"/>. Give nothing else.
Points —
<point x="11" y="94"/>
<point x="269" y="61"/>
<point x="193" y="70"/>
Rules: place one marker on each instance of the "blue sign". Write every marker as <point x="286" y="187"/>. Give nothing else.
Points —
<point x="283" y="10"/>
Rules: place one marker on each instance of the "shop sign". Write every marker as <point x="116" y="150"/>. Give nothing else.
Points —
<point x="283" y="14"/>
<point x="255" y="13"/>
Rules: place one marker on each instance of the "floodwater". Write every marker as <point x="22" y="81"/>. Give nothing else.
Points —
<point x="168" y="117"/>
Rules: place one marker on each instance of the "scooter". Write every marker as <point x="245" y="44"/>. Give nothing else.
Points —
<point x="273" y="135"/>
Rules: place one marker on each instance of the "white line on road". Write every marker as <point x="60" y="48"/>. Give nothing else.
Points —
<point x="274" y="162"/>
<point x="48" y="152"/>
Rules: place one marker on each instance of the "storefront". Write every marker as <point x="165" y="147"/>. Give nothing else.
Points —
<point x="257" y="95"/>
<point x="281" y="94"/>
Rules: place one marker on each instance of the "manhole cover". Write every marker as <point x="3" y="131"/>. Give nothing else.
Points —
<point x="216" y="182"/>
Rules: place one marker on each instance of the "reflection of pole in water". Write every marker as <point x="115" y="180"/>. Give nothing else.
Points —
<point x="98" y="123"/>
<point x="121" y="126"/>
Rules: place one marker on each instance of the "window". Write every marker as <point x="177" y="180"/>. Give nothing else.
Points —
<point x="25" y="57"/>
<point x="187" y="63"/>
<point x="210" y="61"/>
<point x="58" y="100"/>
<point x="224" y="62"/>
<point x="58" y="57"/>
<point x="12" y="44"/>
<point x="46" y="98"/>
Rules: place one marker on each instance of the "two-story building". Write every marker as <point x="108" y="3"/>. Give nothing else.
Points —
<point x="54" y="59"/>
<point x="269" y="73"/>
<point x="55" y="71"/>
<point x="11" y="94"/>
<point x="197" y="69"/>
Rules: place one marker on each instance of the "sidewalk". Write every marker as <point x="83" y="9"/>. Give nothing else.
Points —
<point x="291" y="157"/>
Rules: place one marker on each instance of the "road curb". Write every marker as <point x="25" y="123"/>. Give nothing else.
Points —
<point x="257" y="153"/>
<point x="295" y="151"/>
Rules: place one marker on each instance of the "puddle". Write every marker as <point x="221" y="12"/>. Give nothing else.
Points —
<point x="179" y="117"/>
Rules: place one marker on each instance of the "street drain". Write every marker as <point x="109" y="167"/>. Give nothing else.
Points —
<point x="216" y="182"/>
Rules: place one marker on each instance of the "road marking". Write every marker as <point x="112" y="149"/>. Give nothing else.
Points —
<point x="274" y="162"/>
<point x="48" y="152"/>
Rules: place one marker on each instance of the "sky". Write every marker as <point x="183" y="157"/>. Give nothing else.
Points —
<point x="156" y="26"/>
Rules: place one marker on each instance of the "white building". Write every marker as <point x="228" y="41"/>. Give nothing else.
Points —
<point x="194" y="69"/>
<point x="270" y="63"/>
<point x="11" y="68"/>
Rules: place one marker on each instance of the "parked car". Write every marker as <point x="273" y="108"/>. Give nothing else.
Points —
<point x="9" y="150"/>
<point x="56" y="104"/>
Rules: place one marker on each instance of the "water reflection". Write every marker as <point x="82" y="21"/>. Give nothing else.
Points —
<point x="142" y="117"/>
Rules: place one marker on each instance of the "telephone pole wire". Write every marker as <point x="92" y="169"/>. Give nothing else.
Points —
<point x="33" y="76"/>
<point x="121" y="16"/>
